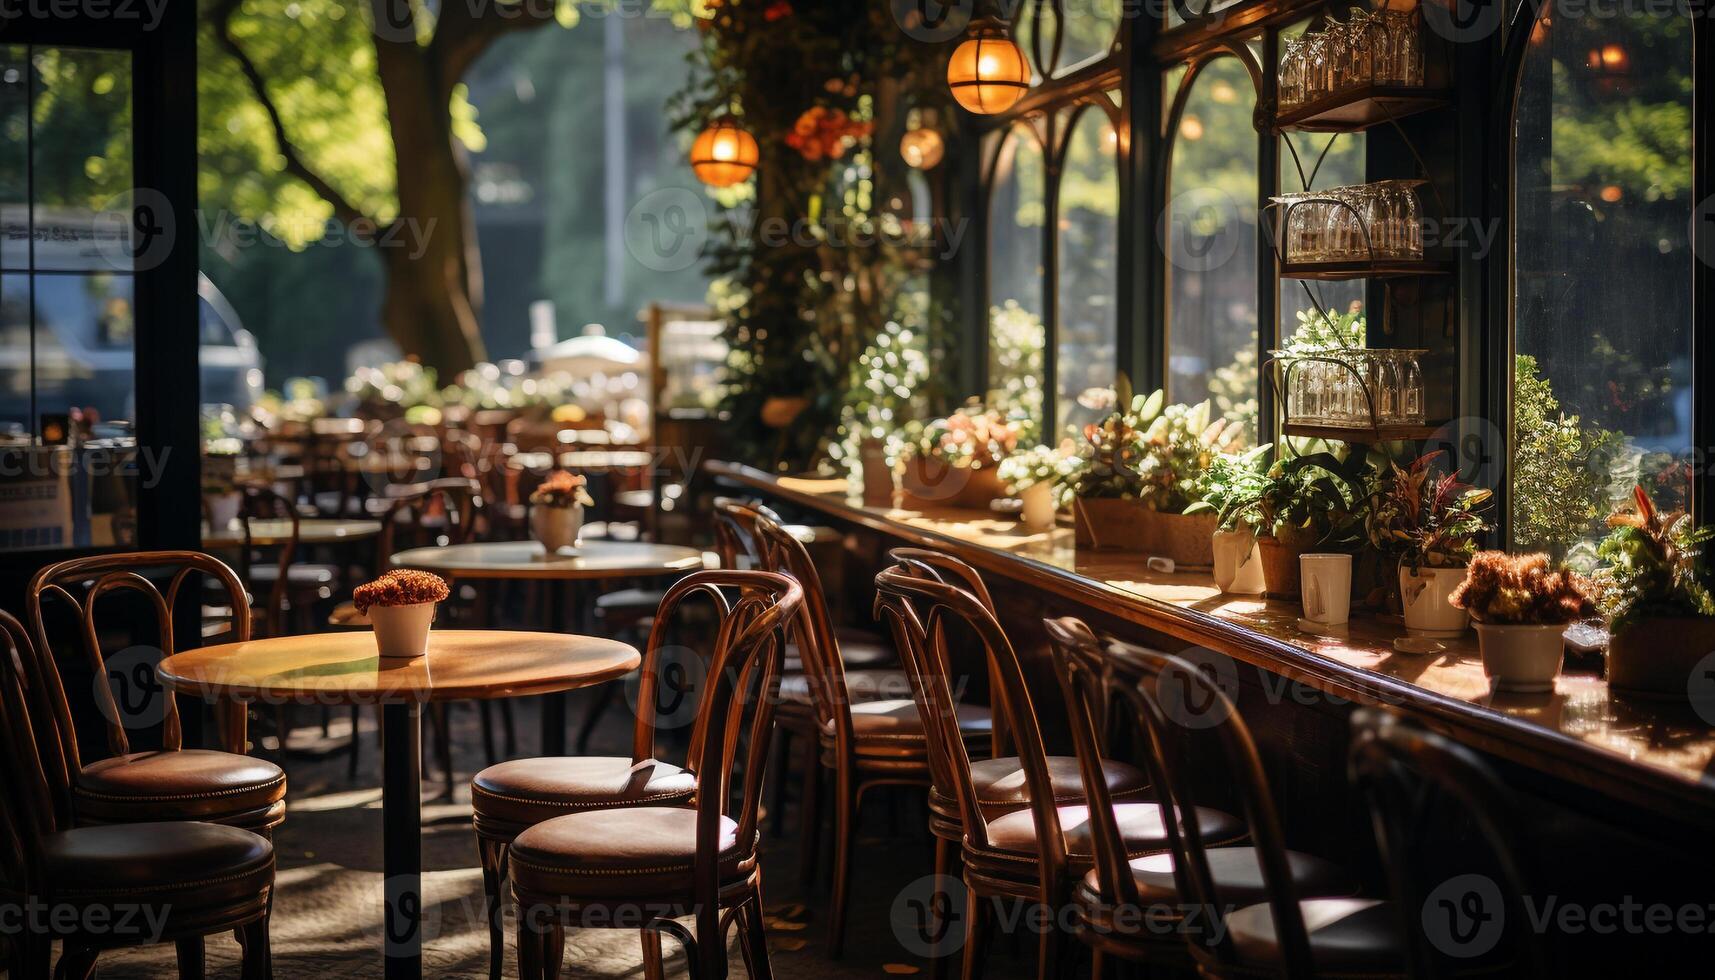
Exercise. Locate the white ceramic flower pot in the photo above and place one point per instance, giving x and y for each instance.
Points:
(1424, 594)
(1038, 511)
(223, 509)
(1521, 658)
(557, 527)
(1238, 563)
(1325, 583)
(402, 632)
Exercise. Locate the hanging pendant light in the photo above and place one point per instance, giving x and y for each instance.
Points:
(987, 72)
(723, 154)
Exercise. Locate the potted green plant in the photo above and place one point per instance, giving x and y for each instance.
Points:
(1657, 590)
(1522, 606)
(1428, 523)
(1031, 476)
(1232, 481)
(1300, 505)
(1180, 443)
(954, 462)
(557, 510)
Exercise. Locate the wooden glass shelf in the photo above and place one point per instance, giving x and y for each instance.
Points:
(1362, 434)
(1356, 110)
(1385, 269)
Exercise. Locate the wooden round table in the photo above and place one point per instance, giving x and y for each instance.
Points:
(595, 560)
(343, 668)
(267, 532)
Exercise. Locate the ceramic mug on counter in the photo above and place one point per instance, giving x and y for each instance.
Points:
(1325, 581)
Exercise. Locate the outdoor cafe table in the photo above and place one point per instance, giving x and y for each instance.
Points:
(267, 532)
(343, 668)
(592, 561)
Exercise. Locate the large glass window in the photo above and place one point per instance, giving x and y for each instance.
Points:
(1087, 334)
(1602, 320)
(1016, 213)
(1209, 236)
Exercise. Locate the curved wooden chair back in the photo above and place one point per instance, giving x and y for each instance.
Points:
(32, 803)
(1180, 705)
(818, 643)
(1078, 664)
(1404, 770)
(263, 504)
(946, 568)
(735, 533)
(82, 584)
(917, 608)
(403, 523)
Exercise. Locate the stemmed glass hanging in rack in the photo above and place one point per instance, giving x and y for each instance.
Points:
(1381, 47)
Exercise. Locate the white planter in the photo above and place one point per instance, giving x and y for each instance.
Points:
(1238, 563)
(557, 527)
(402, 632)
(1325, 581)
(1038, 512)
(1424, 594)
(223, 509)
(1522, 658)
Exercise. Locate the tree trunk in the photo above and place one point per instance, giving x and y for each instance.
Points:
(434, 292)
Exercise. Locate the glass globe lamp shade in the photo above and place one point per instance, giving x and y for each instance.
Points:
(922, 149)
(723, 154)
(987, 72)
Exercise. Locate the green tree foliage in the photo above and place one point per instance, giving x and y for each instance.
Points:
(1560, 489)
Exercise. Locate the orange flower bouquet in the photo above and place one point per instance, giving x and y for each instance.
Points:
(401, 606)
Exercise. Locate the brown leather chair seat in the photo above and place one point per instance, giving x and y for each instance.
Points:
(1140, 825)
(1348, 937)
(187, 784)
(859, 650)
(862, 685)
(1000, 788)
(1237, 874)
(509, 796)
(631, 851)
(890, 728)
(193, 869)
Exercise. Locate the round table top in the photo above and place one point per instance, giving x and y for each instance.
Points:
(311, 530)
(527, 559)
(344, 668)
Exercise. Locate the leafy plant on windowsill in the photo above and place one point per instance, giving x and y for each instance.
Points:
(1032, 467)
(1312, 501)
(1150, 451)
(1426, 518)
(973, 436)
(1232, 482)
(1654, 565)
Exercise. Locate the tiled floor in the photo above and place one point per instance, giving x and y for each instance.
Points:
(327, 919)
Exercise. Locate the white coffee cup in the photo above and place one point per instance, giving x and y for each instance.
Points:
(1325, 582)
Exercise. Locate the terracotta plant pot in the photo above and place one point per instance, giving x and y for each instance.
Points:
(780, 411)
(1522, 658)
(1423, 594)
(1188, 539)
(1039, 510)
(1279, 567)
(402, 632)
(930, 481)
(1111, 524)
(1238, 563)
(878, 480)
(557, 528)
(1655, 658)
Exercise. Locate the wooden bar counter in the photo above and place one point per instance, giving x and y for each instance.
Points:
(1632, 780)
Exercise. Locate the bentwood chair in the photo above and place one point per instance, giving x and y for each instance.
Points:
(1305, 920)
(1035, 854)
(631, 865)
(511, 797)
(134, 885)
(1406, 772)
(168, 783)
(1119, 886)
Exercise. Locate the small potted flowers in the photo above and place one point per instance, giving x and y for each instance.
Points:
(954, 463)
(1430, 522)
(1522, 607)
(401, 606)
(557, 510)
(223, 499)
(1233, 480)
(1298, 506)
(1032, 475)
(1657, 589)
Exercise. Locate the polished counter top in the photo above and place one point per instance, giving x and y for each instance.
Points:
(1644, 752)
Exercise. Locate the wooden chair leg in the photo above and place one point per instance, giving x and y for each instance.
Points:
(487, 713)
(511, 732)
(810, 813)
(553, 951)
(529, 946)
(977, 922)
(845, 837)
(190, 955)
(444, 748)
(493, 854)
(940, 959)
(750, 920)
(652, 966)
